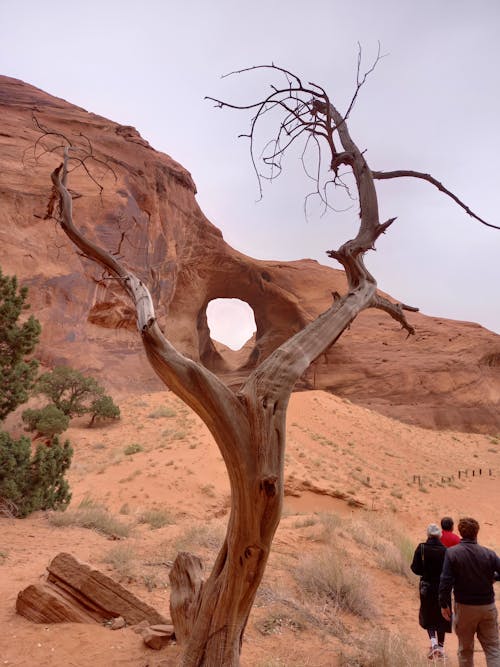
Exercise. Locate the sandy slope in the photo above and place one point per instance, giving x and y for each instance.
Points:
(341, 459)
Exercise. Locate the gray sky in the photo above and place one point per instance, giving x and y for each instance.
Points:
(433, 104)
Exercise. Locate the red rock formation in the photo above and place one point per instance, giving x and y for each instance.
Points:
(447, 376)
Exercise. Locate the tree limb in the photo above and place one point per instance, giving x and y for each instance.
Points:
(395, 310)
(192, 382)
(408, 173)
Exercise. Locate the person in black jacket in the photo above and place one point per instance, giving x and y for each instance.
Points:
(428, 563)
(470, 570)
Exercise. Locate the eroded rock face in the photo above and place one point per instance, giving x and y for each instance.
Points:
(447, 376)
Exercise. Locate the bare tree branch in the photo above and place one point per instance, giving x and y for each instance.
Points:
(192, 382)
(408, 173)
(395, 310)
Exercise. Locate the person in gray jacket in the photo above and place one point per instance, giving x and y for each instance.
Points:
(470, 570)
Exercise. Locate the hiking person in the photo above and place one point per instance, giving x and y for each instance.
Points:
(428, 562)
(448, 538)
(470, 570)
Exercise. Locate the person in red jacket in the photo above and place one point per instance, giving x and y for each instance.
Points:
(448, 538)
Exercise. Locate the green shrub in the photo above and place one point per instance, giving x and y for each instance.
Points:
(34, 482)
(75, 394)
(16, 341)
(103, 407)
(47, 421)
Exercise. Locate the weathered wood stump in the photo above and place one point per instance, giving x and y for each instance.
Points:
(74, 592)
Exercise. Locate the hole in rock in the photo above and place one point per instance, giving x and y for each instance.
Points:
(231, 322)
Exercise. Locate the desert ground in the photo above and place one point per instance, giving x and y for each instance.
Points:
(360, 491)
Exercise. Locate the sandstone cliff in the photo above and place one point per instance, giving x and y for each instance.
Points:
(446, 376)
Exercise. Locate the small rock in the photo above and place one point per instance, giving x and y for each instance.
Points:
(140, 627)
(166, 629)
(156, 640)
(118, 623)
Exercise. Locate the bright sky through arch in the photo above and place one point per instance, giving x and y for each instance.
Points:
(231, 322)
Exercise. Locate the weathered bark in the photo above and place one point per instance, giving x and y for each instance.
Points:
(74, 592)
(249, 428)
(186, 581)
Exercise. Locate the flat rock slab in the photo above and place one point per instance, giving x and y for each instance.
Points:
(74, 592)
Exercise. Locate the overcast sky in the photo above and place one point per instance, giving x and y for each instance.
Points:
(433, 104)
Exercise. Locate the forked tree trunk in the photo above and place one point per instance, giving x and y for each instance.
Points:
(249, 426)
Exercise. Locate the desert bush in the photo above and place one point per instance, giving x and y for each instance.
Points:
(103, 407)
(36, 481)
(205, 535)
(93, 515)
(123, 559)
(156, 518)
(382, 649)
(47, 421)
(75, 394)
(17, 340)
(326, 528)
(392, 549)
(305, 522)
(275, 623)
(134, 448)
(327, 578)
(162, 411)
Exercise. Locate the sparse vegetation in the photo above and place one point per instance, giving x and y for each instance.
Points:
(162, 411)
(75, 394)
(275, 623)
(305, 522)
(382, 649)
(93, 515)
(123, 559)
(156, 518)
(133, 448)
(204, 535)
(325, 577)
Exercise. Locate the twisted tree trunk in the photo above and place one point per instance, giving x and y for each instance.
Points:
(249, 426)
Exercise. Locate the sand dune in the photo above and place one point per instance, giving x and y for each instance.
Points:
(355, 481)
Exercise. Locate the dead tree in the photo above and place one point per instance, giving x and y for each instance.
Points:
(248, 425)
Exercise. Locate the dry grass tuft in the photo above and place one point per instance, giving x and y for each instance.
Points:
(201, 535)
(393, 550)
(326, 578)
(162, 411)
(156, 518)
(123, 559)
(93, 515)
(382, 649)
